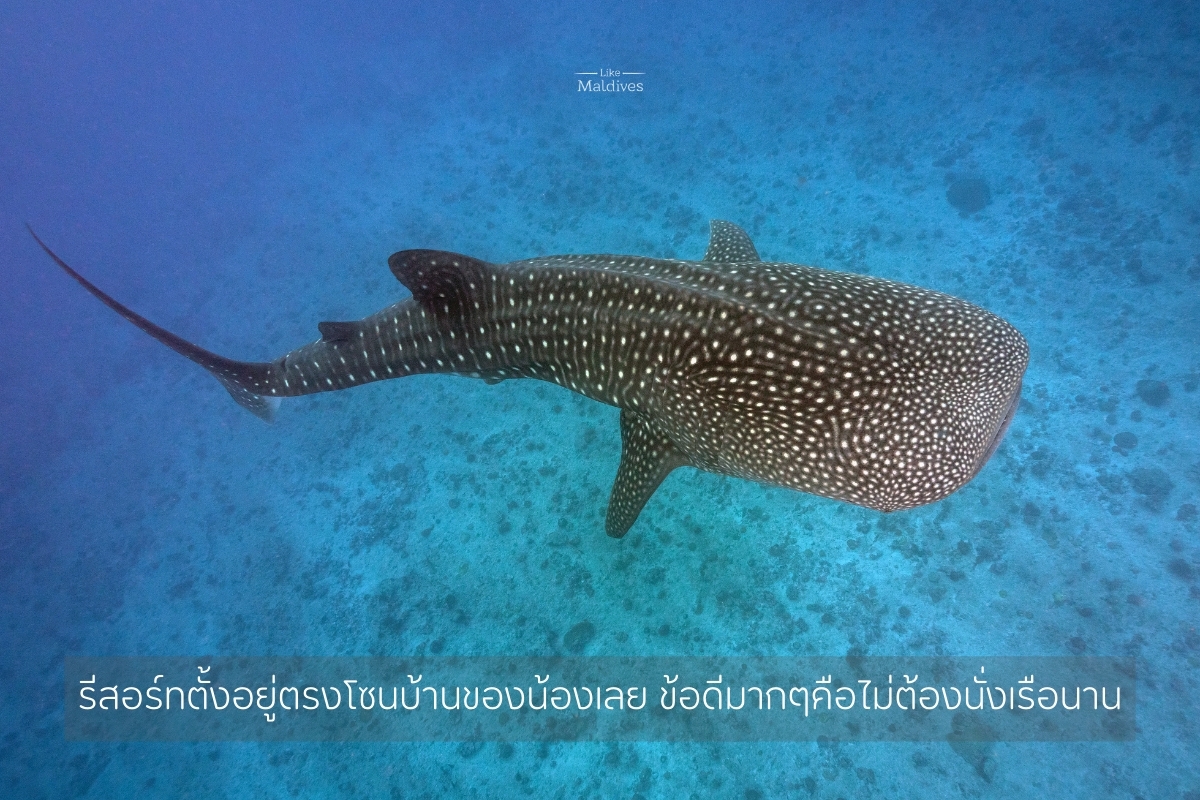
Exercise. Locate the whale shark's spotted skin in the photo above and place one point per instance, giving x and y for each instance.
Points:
(845, 386)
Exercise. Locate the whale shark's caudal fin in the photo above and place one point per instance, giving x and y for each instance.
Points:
(238, 377)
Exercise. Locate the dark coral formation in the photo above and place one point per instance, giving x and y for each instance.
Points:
(968, 195)
(1125, 441)
(576, 639)
(1153, 484)
(1153, 393)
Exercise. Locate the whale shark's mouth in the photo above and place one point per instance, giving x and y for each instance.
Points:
(994, 445)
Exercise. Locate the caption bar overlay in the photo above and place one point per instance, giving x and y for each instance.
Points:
(873, 698)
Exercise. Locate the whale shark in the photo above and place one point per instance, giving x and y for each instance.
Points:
(841, 385)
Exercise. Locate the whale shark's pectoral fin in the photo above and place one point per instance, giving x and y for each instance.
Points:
(263, 407)
(729, 244)
(647, 457)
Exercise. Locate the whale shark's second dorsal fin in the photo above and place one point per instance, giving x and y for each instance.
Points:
(729, 244)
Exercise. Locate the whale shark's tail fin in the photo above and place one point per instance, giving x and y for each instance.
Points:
(240, 378)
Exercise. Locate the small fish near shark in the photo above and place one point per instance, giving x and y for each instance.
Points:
(841, 385)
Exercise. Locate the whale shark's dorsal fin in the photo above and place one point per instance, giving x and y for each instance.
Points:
(337, 331)
(647, 457)
(729, 244)
(441, 282)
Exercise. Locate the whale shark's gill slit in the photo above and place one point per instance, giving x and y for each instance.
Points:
(235, 376)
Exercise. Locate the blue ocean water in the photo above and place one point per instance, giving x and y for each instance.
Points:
(239, 173)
